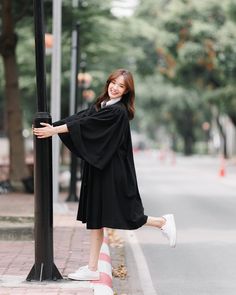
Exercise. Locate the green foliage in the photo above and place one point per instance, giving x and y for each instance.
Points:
(231, 10)
(195, 45)
(179, 111)
(182, 54)
(100, 37)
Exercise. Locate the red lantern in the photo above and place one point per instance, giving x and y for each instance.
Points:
(48, 40)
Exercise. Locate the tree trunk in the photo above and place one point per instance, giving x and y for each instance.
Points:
(186, 129)
(188, 145)
(18, 168)
(233, 118)
(174, 142)
(223, 136)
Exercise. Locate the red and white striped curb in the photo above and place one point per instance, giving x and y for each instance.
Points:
(104, 285)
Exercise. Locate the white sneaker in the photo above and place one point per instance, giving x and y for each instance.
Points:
(84, 274)
(169, 229)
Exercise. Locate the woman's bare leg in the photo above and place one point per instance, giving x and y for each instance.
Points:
(167, 224)
(96, 239)
(155, 221)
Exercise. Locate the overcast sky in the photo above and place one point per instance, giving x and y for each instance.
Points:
(123, 7)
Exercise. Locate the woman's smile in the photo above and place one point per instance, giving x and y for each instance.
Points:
(116, 87)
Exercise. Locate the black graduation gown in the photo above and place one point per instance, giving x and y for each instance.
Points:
(109, 195)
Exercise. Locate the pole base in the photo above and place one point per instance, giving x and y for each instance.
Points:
(72, 198)
(40, 273)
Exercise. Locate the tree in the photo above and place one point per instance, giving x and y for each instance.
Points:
(100, 40)
(195, 46)
(8, 42)
(177, 111)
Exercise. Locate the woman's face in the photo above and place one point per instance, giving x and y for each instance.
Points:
(116, 87)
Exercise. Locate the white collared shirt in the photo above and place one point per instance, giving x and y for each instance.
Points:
(110, 102)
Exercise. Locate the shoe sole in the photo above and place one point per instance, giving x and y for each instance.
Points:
(76, 278)
(173, 227)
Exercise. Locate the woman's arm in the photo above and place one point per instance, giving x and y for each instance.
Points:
(49, 130)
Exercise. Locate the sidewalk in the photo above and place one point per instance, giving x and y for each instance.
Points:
(71, 250)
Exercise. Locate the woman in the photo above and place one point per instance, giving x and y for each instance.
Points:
(109, 196)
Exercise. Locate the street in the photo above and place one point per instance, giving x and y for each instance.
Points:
(204, 260)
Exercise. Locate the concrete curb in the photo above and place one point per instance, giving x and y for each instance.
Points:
(18, 228)
(104, 285)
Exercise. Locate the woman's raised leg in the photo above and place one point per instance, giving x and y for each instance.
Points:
(167, 225)
(155, 221)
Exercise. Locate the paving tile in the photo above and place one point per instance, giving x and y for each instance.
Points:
(71, 250)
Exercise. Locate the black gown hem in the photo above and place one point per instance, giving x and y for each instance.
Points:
(108, 225)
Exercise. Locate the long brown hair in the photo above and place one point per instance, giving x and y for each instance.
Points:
(129, 95)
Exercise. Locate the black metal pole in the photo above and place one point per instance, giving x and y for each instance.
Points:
(44, 267)
(81, 101)
(82, 83)
(72, 197)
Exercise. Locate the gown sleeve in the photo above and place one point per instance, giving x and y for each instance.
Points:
(65, 137)
(96, 137)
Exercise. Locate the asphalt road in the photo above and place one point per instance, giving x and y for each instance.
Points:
(204, 261)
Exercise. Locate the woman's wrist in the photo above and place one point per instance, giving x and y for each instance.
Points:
(49, 130)
(60, 129)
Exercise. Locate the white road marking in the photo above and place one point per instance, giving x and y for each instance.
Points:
(142, 267)
(102, 290)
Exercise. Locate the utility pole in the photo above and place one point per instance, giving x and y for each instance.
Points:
(75, 52)
(44, 267)
(56, 91)
(72, 197)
